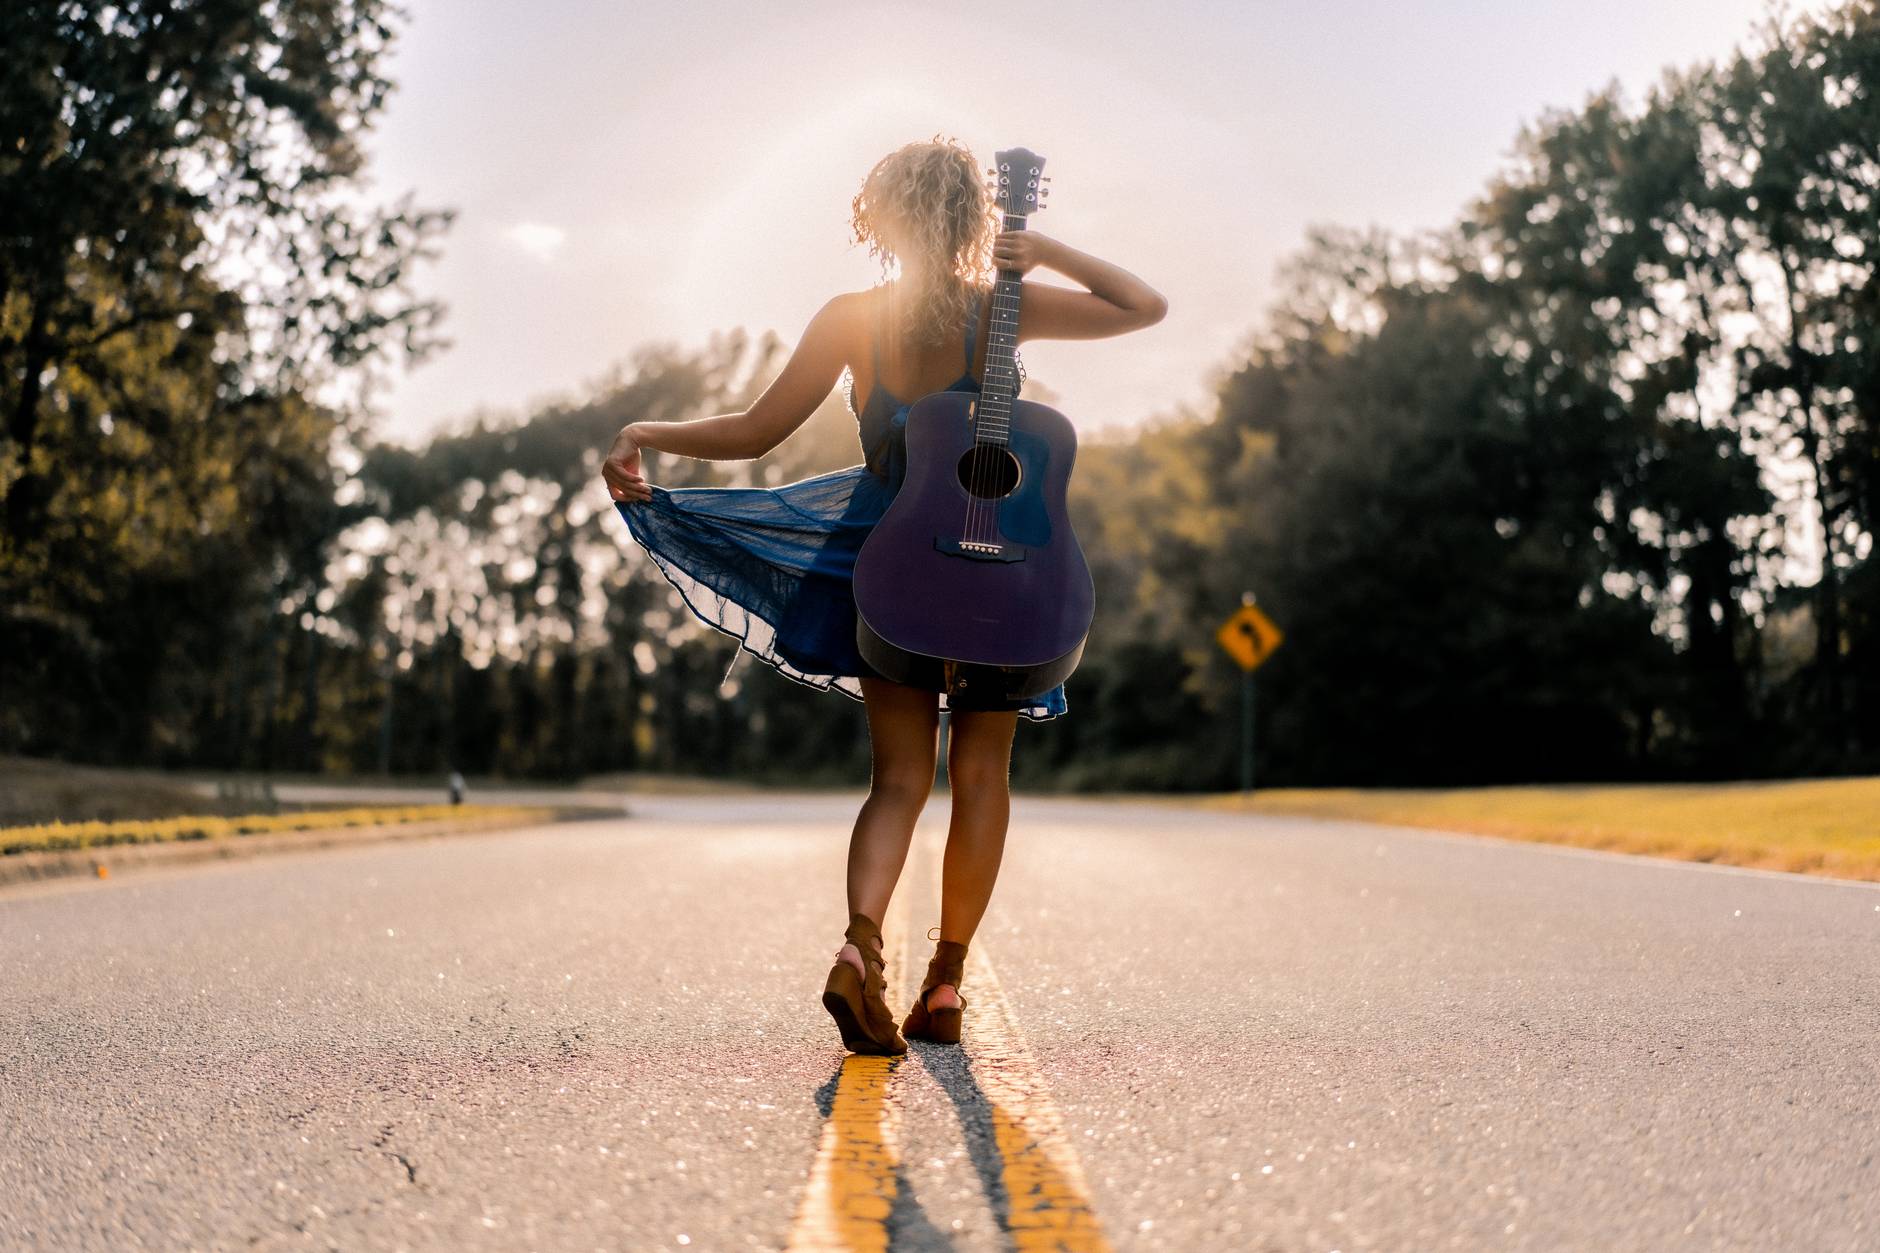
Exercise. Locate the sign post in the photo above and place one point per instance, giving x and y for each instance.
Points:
(1249, 637)
(1246, 730)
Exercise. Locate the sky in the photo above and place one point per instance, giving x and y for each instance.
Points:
(626, 173)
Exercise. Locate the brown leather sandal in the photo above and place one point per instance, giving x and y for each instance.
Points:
(942, 1026)
(859, 1003)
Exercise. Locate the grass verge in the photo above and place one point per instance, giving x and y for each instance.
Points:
(1807, 826)
(53, 836)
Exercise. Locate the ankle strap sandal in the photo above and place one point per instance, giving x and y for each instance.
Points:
(948, 966)
(859, 1002)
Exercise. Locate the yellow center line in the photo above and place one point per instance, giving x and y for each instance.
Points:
(1048, 1202)
(852, 1184)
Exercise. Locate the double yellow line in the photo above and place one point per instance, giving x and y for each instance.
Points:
(853, 1184)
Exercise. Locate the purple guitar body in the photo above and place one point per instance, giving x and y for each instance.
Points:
(973, 582)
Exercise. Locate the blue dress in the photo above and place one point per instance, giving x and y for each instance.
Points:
(772, 566)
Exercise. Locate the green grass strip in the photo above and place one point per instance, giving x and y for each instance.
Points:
(76, 835)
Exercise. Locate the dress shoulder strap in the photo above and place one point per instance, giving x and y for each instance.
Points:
(972, 329)
(881, 323)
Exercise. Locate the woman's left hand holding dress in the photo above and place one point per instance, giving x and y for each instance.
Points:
(626, 481)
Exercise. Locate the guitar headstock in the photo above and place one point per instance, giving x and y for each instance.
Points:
(1017, 182)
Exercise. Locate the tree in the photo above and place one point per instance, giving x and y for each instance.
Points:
(189, 293)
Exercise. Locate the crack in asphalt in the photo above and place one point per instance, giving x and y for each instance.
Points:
(383, 1138)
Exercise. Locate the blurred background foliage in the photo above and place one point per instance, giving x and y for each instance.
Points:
(1580, 486)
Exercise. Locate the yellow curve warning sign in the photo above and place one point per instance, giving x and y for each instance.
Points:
(1249, 637)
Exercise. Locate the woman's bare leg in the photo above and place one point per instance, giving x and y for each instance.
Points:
(979, 770)
(903, 737)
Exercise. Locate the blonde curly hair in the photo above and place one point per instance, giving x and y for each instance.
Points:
(926, 198)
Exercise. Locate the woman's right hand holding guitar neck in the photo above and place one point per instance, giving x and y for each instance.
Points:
(1115, 303)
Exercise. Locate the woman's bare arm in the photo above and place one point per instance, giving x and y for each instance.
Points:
(1115, 303)
(785, 405)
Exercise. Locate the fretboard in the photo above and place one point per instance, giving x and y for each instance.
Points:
(999, 388)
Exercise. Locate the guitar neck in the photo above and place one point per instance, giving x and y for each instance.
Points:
(1000, 386)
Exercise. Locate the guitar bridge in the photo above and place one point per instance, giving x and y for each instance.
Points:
(979, 550)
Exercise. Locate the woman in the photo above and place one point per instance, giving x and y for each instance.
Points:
(773, 566)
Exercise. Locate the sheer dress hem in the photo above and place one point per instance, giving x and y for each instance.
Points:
(757, 636)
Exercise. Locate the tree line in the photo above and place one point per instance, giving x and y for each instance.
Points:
(1581, 485)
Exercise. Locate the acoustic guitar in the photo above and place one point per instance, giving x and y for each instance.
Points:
(973, 583)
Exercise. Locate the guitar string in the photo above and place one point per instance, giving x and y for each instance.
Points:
(993, 459)
(969, 524)
(976, 520)
(980, 508)
(967, 528)
(973, 521)
(988, 458)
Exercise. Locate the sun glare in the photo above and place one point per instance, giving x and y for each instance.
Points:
(774, 240)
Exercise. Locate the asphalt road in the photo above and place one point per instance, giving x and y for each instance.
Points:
(1188, 1031)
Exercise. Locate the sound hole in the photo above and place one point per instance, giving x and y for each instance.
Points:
(988, 471)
